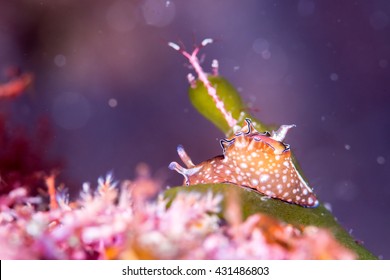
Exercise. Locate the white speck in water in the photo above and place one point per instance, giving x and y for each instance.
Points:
(347, 147)
(380, 160)
(334, 77)
(60, 60)
(112, 102)
(158, 13)
(323, 118)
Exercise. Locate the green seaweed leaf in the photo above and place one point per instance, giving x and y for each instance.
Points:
(252, 202)
(232, 101)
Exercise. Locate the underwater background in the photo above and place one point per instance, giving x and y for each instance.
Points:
(115, 95)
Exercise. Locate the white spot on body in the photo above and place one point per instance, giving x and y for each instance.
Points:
(269, 193)
(254, 182)
(264, 178)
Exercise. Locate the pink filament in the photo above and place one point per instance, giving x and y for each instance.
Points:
(193, 59)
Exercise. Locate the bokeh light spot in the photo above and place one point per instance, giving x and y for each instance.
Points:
(112, 102)
(379, 20)
(266, 54)
(60, 60)
(334, 77)
(158, 13)
(381, 160)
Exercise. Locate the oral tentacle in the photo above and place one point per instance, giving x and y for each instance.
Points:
(185, 157)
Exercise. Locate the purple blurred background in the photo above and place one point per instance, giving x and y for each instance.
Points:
(117, 95)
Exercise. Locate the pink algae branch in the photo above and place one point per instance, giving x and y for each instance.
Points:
(50, 183)
(16, 86)
(194, 61)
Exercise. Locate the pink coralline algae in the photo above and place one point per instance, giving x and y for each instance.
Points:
(118, 221)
